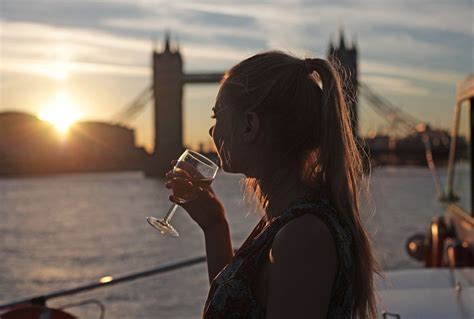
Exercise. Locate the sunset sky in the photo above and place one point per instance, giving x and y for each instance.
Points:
(97, 54)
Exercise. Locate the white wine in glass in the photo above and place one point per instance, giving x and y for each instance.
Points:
(198, 169)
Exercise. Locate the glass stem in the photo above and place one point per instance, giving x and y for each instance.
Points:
(170, 213)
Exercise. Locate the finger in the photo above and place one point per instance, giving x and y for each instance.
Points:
(168, 184)
(171, 198)
(180, 171)
(175, 174)
(190, 170)
(182, 182)
(170, 172)
(180, 179)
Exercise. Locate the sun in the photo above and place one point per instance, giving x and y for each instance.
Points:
(61, 112)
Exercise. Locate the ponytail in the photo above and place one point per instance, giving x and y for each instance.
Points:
(341, 162)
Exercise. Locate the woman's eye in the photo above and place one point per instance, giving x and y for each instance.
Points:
(213, 116)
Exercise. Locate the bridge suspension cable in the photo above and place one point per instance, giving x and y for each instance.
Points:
(409, 123)
(394, 115)
(131, 110)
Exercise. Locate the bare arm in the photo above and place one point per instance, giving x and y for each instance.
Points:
(302, 270)
(218, 248)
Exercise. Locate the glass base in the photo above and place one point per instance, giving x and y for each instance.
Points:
(162, 226)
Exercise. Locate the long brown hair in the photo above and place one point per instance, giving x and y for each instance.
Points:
(303, 102)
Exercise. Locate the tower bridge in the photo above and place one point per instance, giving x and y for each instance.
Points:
(167, 93)
(167, 89)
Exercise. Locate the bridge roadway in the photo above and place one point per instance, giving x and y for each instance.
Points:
(202, 77)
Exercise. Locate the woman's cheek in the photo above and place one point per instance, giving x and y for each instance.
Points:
(221, 147)
(216, 138)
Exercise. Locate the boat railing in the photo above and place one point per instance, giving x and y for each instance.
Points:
(103, 282)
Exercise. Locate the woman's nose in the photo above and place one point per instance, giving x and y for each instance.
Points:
(211, 130)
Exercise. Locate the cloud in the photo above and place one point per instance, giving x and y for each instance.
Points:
(363, 14)
(192, 32)
(35, 48)
(393, 85)
(56, 52)
(71, 13)
(399, 41)
(400, 45)
(306, 27)
(37, 32)
(437, 76)
(61, 70)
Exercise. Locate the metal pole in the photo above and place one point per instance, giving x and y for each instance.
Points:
(452, 152)
(471, 120)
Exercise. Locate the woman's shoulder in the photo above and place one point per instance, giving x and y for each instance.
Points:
(307, 237)
(303, 267)
(314, 222)
(307, 229)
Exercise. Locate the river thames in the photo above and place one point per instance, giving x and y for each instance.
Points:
(62, 231)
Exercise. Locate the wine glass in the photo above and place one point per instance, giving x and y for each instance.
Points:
(201, 171)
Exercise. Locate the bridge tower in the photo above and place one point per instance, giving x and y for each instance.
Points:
(168, 96)
(346, 57)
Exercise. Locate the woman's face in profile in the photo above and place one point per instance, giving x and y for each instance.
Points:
(223, 131)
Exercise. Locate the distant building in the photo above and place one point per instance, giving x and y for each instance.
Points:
(102, 146)
(26, 143)
(411, 150)
(380, 143)
(31, 146)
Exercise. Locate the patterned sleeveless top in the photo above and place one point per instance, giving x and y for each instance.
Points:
(230, 294)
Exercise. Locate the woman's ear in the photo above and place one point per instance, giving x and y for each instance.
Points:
(251, 127)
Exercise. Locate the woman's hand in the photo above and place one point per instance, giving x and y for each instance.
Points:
(205, 208)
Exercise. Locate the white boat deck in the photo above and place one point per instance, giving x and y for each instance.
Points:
(428, 293)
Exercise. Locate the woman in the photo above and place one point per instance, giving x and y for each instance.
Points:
(283, 123)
